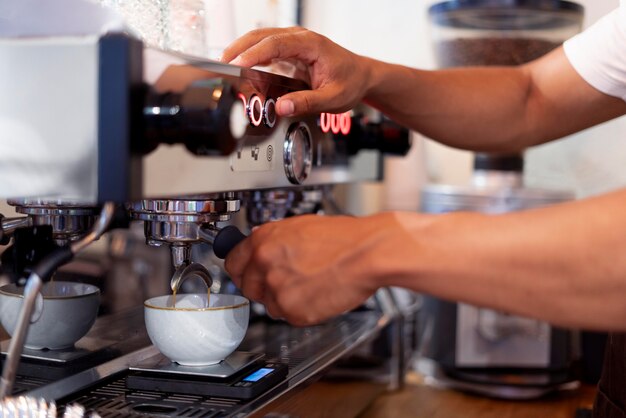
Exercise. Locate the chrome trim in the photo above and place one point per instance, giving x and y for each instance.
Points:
(266, 113)
(288, 158)
(183, 206)
(102, 223)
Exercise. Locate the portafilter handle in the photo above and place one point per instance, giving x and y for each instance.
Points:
(222, 239)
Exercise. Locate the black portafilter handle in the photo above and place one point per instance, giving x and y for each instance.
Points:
(226, 239)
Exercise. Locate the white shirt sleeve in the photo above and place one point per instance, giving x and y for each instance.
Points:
(599, 54)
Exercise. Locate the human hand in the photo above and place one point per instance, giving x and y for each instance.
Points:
(339, 78)
(309, 268)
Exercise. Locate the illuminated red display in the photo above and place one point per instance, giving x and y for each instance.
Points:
(345, 123)
(336, 123)
(256, 110)
(325, 122)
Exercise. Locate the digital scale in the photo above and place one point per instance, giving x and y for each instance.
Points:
(46, 365)
(242, 375)
(85, 347)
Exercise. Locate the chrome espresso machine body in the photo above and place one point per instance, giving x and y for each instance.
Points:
(180, 144)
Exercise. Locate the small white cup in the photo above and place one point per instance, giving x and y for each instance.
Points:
(67, 313)
(192, 334)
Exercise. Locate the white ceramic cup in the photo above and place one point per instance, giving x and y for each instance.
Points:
(67, 313)
(192, 334)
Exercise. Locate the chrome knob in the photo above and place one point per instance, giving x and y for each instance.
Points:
(298, 153)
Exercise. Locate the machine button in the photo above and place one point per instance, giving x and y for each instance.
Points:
(269, 113)
(298, 152)
(255, 110)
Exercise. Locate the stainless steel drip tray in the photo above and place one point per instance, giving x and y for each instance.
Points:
(112, 336)
(84, 347)
(232, 365)
(305, 352)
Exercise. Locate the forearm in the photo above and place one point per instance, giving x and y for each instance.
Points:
(461, 108)
(563, 264)
(497, 109)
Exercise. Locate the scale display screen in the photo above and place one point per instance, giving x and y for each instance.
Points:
(254, 377)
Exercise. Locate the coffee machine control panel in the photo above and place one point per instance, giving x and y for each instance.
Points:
(144, 123)
(225, 118)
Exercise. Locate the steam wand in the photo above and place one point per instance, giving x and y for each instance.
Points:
(33, 286)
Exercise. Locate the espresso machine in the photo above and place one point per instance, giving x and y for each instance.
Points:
(115, 133)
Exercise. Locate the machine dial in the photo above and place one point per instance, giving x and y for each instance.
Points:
(298, 153)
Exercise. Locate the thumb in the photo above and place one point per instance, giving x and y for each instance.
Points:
(306, 102)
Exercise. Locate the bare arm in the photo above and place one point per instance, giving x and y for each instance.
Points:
(485, 109)
(493, 108)
(564, 264)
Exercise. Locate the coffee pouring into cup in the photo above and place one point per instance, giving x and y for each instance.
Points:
(196, 329)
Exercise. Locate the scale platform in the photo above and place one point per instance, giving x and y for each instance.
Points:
(241, 375)
(85, 347)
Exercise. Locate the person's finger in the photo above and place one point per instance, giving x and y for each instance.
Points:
(274, 280)
(304, 305)
(272, 308)
(283, 45)
(253, 283)
(250, 39)
(237, 260)
(325, 99)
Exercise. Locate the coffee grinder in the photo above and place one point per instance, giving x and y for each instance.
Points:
(465, 347)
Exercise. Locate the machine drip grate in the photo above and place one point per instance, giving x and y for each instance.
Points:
(25, 384)
(113, 399)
